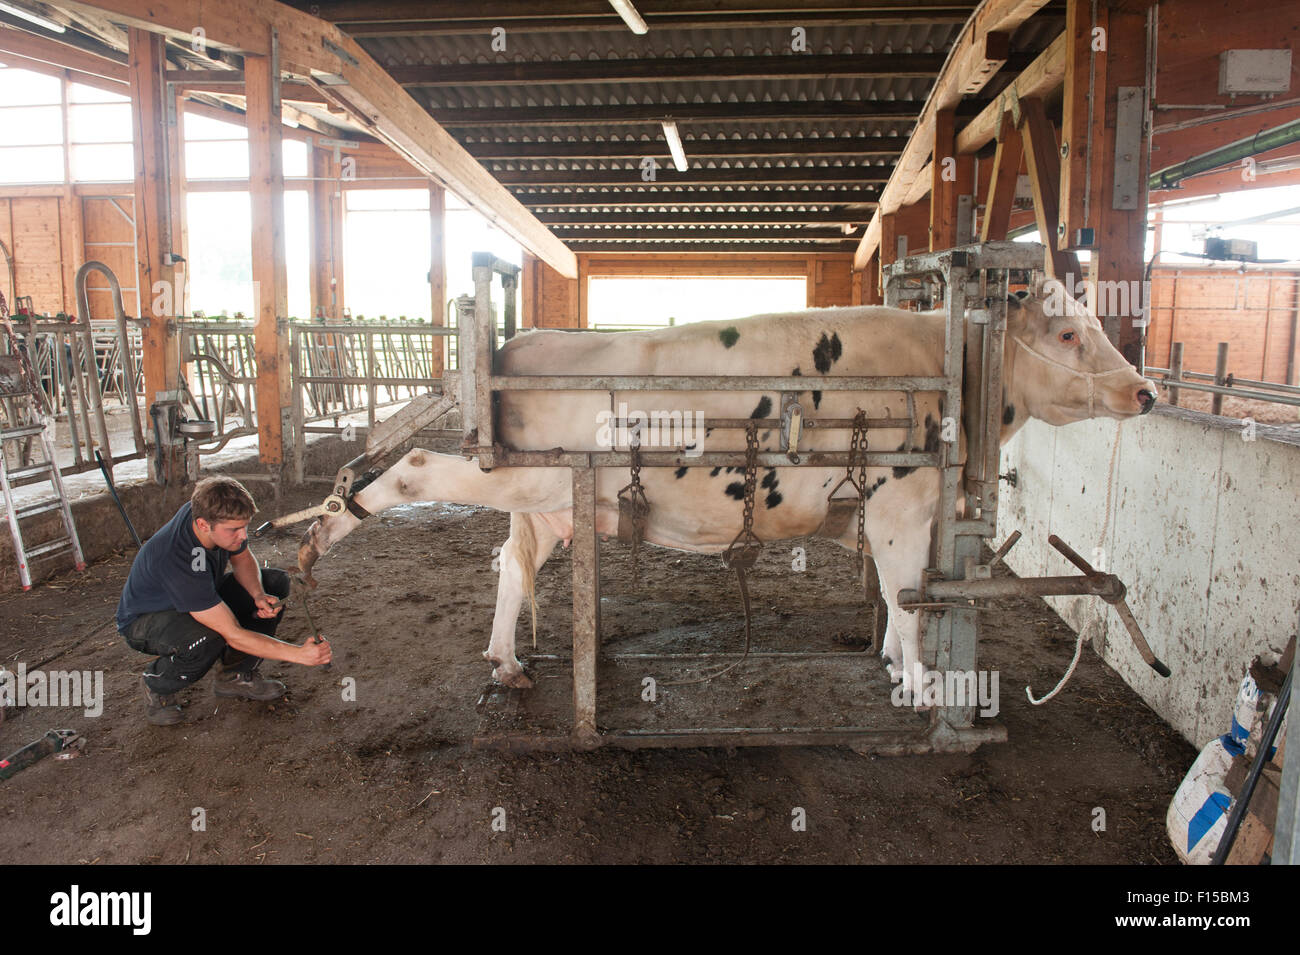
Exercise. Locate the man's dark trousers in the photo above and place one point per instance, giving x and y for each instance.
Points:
(186, 649)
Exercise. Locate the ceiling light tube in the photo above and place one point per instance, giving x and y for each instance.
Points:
(633, 19)
(675, 146)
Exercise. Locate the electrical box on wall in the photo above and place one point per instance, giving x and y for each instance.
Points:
(1254, 71)
(1237, 250)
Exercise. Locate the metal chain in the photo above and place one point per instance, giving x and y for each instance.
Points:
(742, 554)
(858, 453)
(633, 509)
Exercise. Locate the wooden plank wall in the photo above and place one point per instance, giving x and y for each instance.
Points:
(50, 236)
(1254, 312)
(110, 238)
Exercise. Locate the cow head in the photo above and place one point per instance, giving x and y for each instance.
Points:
(1060, 366)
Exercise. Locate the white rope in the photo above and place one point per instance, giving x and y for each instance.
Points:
(1078, 648)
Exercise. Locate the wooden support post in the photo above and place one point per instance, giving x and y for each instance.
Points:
(322, 205)
(586, 606)
(157, 296)
(1002, 182)
(266, 186)
(1220, 378)
(1044, 174)
(1082, 122)
(951, 175)
(1119, 261)
(1175, 372)
(437, 268)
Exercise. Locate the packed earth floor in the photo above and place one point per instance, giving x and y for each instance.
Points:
(392, 776)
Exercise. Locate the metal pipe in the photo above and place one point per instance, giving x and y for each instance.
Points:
(1101, 585)
(127, 354)
(1261, 142)
(714, 383)
(709, 459)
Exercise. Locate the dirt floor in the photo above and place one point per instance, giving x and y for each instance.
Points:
(407, 601)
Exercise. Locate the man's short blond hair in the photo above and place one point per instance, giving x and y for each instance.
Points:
(221, 499)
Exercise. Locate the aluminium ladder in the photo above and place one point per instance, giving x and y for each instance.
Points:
(21, 421)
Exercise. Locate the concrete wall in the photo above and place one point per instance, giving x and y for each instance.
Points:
(1203, 529)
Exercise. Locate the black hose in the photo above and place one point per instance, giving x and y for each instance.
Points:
(108, 478)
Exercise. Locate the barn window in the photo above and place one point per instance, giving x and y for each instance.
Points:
(31, 113)
(99, 134)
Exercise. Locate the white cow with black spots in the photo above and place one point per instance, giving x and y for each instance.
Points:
(1058, 367)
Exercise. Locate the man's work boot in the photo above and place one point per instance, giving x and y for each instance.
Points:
(248, 686)
(160, 710)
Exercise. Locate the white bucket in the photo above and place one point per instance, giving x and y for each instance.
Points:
(1199, 812)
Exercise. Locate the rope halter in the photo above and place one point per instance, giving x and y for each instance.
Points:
(1089, 376)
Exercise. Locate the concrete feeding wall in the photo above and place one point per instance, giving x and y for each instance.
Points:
(1202, 530)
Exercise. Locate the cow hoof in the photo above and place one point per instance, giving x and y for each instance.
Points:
(518, 682)
(511, 676)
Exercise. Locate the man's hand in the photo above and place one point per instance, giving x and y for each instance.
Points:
(267, 606)
(315, 654)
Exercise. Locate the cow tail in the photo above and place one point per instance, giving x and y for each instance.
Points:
(521, 529)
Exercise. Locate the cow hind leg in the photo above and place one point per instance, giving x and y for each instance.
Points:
(527, 548)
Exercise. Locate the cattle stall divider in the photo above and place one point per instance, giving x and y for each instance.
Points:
(972, 366)
(975, 280)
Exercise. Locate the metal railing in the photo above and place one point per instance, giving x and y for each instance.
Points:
(1222, 383)
(343, 369)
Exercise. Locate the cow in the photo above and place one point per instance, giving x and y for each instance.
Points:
(1058, 366)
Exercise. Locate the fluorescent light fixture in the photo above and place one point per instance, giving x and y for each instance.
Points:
(633, 19)
(39, 20)
(675, 146)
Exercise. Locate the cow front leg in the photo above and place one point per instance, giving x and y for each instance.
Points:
(901, 549)
(527, 548)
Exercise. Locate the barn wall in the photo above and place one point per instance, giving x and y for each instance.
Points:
(547, 298)
(1201, 531)
(1254, 312)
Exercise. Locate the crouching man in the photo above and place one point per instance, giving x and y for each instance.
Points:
(195, 595)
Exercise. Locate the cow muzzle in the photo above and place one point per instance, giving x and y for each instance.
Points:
(1146, 399)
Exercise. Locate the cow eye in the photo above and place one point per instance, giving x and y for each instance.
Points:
(1067, 337)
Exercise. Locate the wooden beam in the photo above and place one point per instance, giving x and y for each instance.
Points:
(707, 217)
(155, 279)
(961, 76)
(1002, 182)
(42, 50)
(270, 283)
(450, 15)
(748, 248)
(952, 175)
(321, 209)
(667, 176)
(308, 46)
(640, 232)
(755, 195)
(668, 69)
(1041, 78)
(640, 113)
(1119, 262)
(1080, 125)
(861, 147)
(1044, 159)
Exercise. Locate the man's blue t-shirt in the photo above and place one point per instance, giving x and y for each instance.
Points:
(173, 571)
